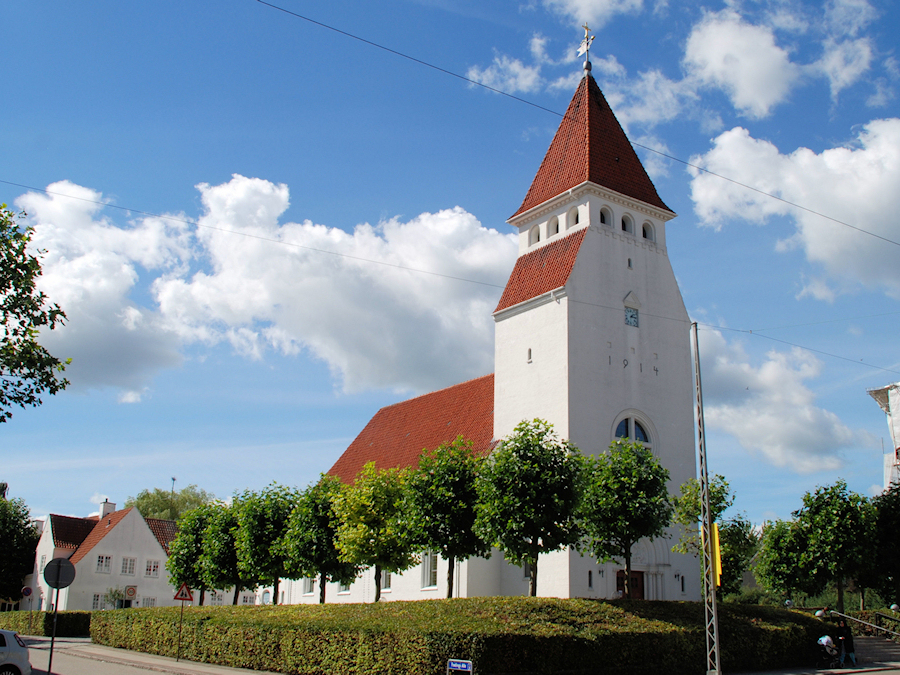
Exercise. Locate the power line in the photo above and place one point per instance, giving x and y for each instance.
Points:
(562, 115)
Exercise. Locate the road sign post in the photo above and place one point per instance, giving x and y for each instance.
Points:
(59, 573)
(184, 594)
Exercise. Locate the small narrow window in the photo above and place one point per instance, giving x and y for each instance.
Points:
(590, 578)
(385, 581)
(630, 266)
(529, 355)
(552, 227)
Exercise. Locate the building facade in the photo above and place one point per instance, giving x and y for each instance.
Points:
(591, 334)
(888, 398)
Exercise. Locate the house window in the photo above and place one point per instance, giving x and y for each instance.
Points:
(104, 562)
(343, 587)
(128, 566)
(429, 569)
(248, 599)
(526, 570)
(96, 603)
(632, 429)
(385, 581)
(43, 563)
(148, 602)
(309, 586)
(152, 569)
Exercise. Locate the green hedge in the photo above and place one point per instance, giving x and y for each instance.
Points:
(68, 624)
(500, 635)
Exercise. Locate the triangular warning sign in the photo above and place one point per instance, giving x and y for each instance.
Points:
(184, 593)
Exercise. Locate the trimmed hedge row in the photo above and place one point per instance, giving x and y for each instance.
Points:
(500, 635)
(68, 624)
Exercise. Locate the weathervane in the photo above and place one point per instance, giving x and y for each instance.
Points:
(585, 47)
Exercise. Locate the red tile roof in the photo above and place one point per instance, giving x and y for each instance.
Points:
(69, 532)
(590, 145)
(101, 528)
(542, 270)
(397, 434)
(163, 530)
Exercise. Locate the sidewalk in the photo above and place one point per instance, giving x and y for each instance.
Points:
(83, 648)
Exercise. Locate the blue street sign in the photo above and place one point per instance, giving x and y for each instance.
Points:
(459, 666)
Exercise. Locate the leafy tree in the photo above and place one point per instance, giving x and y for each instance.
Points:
(838, 528)
(443, 499)
(186, 551)
(625, 500)
(887, 556)
(374, 529)
(687, 511)
(309, 545)
(529, 493)
(778, 561)
(27, 370)
(20, 539)
(218, 560)
(168, 504)
(738, 543)
(262, 523)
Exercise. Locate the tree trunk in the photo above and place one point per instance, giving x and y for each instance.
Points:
(628, 573)
(377, 583)
(275, 591)
(202, 595)
(450, 564)
(862, 599)
(840, 595)
(237, 592)
(533, 580)
(322, 588)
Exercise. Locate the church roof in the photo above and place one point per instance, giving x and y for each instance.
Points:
(590, 145)
(541, 270)
(397, 434)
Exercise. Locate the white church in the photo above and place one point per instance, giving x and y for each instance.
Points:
(591, 334)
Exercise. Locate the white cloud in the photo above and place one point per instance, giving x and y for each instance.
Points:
(407, 324)
(856, 184)
(595, 12)
(768, 408)
(742, 59)
(848, 17)
(507, 75)
(843, 63)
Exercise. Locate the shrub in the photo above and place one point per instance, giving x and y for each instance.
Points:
(68, 624)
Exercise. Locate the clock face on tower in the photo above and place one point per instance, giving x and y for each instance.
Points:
(631, 316)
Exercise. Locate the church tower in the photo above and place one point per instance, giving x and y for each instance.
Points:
(591, 333)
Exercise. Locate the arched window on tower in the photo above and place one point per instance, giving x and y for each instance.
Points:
(647, 232)
(553, 226)
(632, 429)
(572, 217)
(605, 216)
(627, 224)
(534, 235)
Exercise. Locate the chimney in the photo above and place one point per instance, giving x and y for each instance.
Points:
(106, 508)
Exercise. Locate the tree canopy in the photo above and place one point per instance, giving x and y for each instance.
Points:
(687, 510)
(27, 369)
(310, 543)
(374, 528)
(186, 551)
(529, 494)
(219, 561)
(625, 500)
(20, 539)
(169, 505)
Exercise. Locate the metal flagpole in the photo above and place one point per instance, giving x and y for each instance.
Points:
(706, 525)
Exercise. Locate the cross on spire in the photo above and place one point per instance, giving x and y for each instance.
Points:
(585, 47)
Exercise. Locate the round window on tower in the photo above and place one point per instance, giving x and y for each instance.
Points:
(632, 426)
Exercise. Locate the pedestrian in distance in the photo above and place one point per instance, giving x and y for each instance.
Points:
(845, 638)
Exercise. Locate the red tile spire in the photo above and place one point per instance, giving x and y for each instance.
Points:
(590, 145)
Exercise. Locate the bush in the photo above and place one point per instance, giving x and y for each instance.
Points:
(68, 624)
(500, 635)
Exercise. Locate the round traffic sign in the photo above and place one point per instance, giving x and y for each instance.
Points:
(26, 592)
(59, 573)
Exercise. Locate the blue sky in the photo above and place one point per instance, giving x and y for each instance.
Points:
(222, 346)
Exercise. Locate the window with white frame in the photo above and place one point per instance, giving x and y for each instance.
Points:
(526, 570)
(96, 603)
(429, 569)
(632, 429)
(385, 581)
(43, 563)
(128, 566)
(104, 563)
(152, 569)
(248, 599)
(343, 587)
(148, 602)
(309, 586)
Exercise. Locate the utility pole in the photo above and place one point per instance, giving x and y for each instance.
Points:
(706, 526)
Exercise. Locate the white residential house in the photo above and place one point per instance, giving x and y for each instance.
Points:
(115, 550)
(889, 399)
(591, 334)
